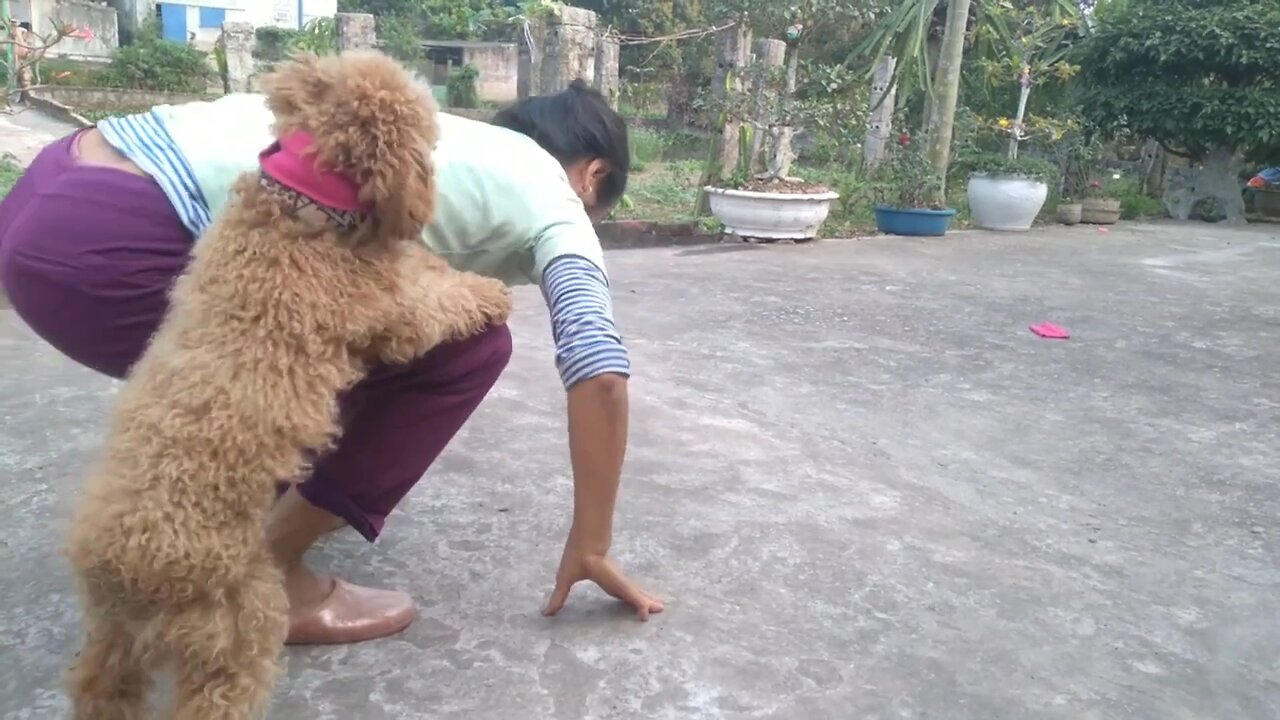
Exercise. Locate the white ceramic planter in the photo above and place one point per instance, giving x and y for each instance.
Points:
(771, 216)
(1001, 202)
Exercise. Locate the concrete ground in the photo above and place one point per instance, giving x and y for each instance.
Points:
(24, 133)
(866, 490)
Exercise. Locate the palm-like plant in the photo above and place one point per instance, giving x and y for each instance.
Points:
(927, 38)
(911, 32)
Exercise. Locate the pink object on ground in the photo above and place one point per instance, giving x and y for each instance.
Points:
(288, 162)
(1051, 331)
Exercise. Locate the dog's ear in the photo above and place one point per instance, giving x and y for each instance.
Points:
(402, 192)
(296, 85)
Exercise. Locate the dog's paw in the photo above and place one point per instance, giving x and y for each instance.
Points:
(492, 298)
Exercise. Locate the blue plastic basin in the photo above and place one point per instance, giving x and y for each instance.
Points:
(916, 222)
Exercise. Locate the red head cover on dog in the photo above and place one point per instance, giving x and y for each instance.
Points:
(288, 163)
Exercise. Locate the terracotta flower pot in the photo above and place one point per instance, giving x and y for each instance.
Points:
(1070, 213)
(1100, 211)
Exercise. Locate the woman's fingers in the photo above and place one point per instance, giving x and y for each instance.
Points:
(559, 596)
(612, 581)
(605, 573)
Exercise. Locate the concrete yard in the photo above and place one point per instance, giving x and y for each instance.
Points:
(865, 489)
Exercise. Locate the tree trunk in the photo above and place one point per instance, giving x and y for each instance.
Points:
(932, 50)
(880, 120)
(1154, 159)
(783, 155)
(724, 153)
(946, 91)
(770, 55)
(1217, 179)
(1025, 81)
(9, 52)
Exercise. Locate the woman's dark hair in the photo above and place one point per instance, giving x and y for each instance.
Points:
(576, 124)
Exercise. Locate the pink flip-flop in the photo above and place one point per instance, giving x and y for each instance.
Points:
(1051, 331)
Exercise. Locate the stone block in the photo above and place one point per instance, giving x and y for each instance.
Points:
(356, 31)
(236, 42)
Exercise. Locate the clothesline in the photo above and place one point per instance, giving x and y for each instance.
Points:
(682, 35)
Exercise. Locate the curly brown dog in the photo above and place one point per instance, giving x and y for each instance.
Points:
(277, 314)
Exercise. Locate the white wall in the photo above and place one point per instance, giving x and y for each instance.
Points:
(281, 13)
(259, 13)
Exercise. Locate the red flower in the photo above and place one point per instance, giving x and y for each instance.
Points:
(904, 139)
(1095, 184)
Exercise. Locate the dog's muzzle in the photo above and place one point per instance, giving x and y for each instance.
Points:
(300, 207)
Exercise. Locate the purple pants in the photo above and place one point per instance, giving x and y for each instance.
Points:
(87, 257)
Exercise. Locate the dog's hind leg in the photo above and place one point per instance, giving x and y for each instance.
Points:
(108, 680)
(228, 655)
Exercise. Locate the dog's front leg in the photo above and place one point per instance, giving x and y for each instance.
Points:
(439, 305)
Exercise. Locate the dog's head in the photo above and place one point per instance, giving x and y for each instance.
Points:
(371, 123)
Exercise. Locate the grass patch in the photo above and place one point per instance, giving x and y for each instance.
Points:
(61, 71)
(662, 192)
(10, 171)
(94, 115)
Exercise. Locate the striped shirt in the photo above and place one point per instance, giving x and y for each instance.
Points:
(576, 291)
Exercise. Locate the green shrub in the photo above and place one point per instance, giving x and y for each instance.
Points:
(461, 87)
(999, 164)
(1134, 203)
(904, 179)
(273, 44)
(154, 63)
(10, 171)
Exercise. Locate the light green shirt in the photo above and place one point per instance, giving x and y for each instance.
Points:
(504, 206)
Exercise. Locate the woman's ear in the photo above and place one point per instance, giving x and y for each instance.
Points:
(597, 170)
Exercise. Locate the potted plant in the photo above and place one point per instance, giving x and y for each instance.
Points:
(748, 185)
(1069, 211)
(902, 184)
(1007, 193)
(1098, 207)
(775, 209)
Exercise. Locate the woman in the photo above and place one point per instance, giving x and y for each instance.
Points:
(101, 224)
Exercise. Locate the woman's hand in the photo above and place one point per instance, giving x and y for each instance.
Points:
(597, 444)
(579, 564)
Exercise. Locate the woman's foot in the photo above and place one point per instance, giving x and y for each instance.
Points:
(346, 613)
(325, 610)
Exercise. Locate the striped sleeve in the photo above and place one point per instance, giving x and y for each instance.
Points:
(587, 341)
(143, 139)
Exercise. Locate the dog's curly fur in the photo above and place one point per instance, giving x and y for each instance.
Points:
(273, 319)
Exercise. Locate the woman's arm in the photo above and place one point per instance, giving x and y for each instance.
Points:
(594, 366)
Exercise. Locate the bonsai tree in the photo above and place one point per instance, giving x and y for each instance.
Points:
(1199, 76)
(22, 50)
(760, 105)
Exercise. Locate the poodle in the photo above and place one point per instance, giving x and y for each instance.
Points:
(285, 304)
